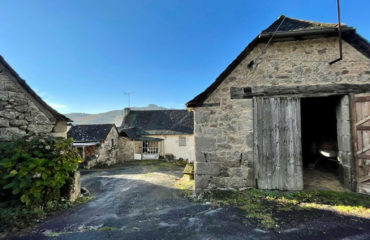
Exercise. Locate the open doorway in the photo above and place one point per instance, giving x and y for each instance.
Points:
(321, 165)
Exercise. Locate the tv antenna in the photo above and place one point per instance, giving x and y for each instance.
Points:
(128, 94)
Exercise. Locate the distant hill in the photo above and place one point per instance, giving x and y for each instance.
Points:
(115, 116)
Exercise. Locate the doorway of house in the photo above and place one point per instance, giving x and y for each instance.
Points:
(321, 165)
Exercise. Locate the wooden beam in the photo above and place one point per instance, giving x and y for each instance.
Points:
(363, 156)
(210, 105)
(362, 99)
(366, 128)
(322, 89)
(240, 93)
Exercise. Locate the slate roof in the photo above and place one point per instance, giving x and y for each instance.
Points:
(33, 94)
(290, 27)
(157, 122)
(294, 25)
(90, 133)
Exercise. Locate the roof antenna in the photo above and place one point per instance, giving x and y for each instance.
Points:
(128, 94)
(340, 37)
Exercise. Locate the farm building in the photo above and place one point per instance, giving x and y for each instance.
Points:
(23, 112)
(283, 115)
(155, 133)
(98, 144)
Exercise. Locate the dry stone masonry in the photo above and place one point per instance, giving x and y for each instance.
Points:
(19, 114)
(224, 126)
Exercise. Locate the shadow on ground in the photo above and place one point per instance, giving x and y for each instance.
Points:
(141, 202)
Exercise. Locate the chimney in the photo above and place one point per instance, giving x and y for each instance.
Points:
(126, 111)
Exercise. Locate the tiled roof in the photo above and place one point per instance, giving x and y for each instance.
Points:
(161, 122)
(288, 26)
(292, 24)
(90, 133)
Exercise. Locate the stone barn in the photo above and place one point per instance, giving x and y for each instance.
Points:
(98, 144)
(284, 116)
(23, 112)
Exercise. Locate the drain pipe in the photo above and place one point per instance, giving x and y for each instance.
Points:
(340, 37)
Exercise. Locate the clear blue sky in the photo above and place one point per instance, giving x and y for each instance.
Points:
(82, 55)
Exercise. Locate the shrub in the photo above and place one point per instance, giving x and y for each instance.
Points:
(169, 157)
(34, 170)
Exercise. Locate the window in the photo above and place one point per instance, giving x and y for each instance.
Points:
(112, 142)
(150, 147)
(182, 141)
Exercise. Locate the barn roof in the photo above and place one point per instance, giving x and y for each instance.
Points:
(282, 29)
(43, 105)
(158, 122)
(90, 132)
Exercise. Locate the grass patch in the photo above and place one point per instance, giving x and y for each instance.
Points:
(107, 228)
(265, 206)
(186, 185)
(55, 234)
(15, 217)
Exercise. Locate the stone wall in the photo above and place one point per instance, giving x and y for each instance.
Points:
(20, 114)
(224, 133)
(106, 153)
(126, 149)
(345, 155)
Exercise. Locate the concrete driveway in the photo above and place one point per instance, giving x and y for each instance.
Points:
(139, 201)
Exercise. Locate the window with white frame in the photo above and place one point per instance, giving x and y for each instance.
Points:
(182, 141)
(150, 147)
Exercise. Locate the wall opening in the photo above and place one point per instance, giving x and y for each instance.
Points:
(321, 165)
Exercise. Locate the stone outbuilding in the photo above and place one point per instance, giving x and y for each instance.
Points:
(23, 112)
(283, 111)
(97, 144)
(159, 133)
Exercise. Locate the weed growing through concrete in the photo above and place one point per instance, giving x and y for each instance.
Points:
(266, 206)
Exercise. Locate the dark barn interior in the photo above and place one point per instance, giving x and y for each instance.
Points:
(319, 143)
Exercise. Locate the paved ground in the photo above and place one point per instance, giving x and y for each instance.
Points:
(140, 202)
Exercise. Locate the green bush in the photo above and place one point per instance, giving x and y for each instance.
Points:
(34, 170)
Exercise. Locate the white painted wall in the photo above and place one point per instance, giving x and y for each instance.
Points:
(171, 146)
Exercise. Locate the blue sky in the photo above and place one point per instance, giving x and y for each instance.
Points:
(82, 55)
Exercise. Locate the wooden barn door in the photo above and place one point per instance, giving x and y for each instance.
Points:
(277, 143)
(361, 135)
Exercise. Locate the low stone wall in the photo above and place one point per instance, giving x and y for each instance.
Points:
(125, 149)
(74, 188)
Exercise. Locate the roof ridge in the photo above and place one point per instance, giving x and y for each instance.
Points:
(301, 25)
(307, 21)
(349, 35)
(33, 94)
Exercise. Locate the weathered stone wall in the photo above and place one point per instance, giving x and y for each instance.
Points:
(19, 114)
(126, 149)
(345, 155)
(106, 152)
(224, 133)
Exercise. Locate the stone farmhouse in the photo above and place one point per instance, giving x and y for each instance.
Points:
(23, 112)
(261, 122)
(151, 134)
(98, 144)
